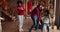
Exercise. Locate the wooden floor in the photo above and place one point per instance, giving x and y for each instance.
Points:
(9, 26)
(28, 23)
(12, 26)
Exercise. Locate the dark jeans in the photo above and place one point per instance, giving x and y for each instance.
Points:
(35, 23)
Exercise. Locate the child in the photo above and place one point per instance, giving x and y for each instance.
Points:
(46, 20)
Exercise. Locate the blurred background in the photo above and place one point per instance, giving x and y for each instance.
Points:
(8, 10)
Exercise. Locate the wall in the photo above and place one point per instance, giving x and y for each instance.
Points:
(57, 13)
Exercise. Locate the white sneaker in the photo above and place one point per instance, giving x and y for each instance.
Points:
(21, 30)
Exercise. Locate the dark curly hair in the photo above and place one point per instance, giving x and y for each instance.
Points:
(19, 2)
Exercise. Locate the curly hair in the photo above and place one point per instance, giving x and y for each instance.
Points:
(19, 2)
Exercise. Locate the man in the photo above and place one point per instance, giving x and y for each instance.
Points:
(35, 15)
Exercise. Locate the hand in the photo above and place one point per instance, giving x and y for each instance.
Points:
(30, 10)
(10, 16)
(13, 18)
(39, 22)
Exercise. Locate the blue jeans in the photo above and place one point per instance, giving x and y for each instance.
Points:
(45, 25)
(21, 19)
(35, 22)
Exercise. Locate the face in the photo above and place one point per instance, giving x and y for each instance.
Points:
(19, 4)
(42, 7)
(45, 13)
(6, 8)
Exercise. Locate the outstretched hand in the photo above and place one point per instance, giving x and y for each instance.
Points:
(39, 22)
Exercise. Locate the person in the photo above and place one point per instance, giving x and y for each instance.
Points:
(46, 20)
(29, 6)
(35, 15)
(41, 22)
(21, 10)
(5, 14)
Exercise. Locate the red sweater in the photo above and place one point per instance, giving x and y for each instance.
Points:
(36, 12)
(29, 7)
(20, 10)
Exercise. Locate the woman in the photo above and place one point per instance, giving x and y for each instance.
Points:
(21, 10)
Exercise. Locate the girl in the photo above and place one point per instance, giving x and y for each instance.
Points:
(21, 10)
